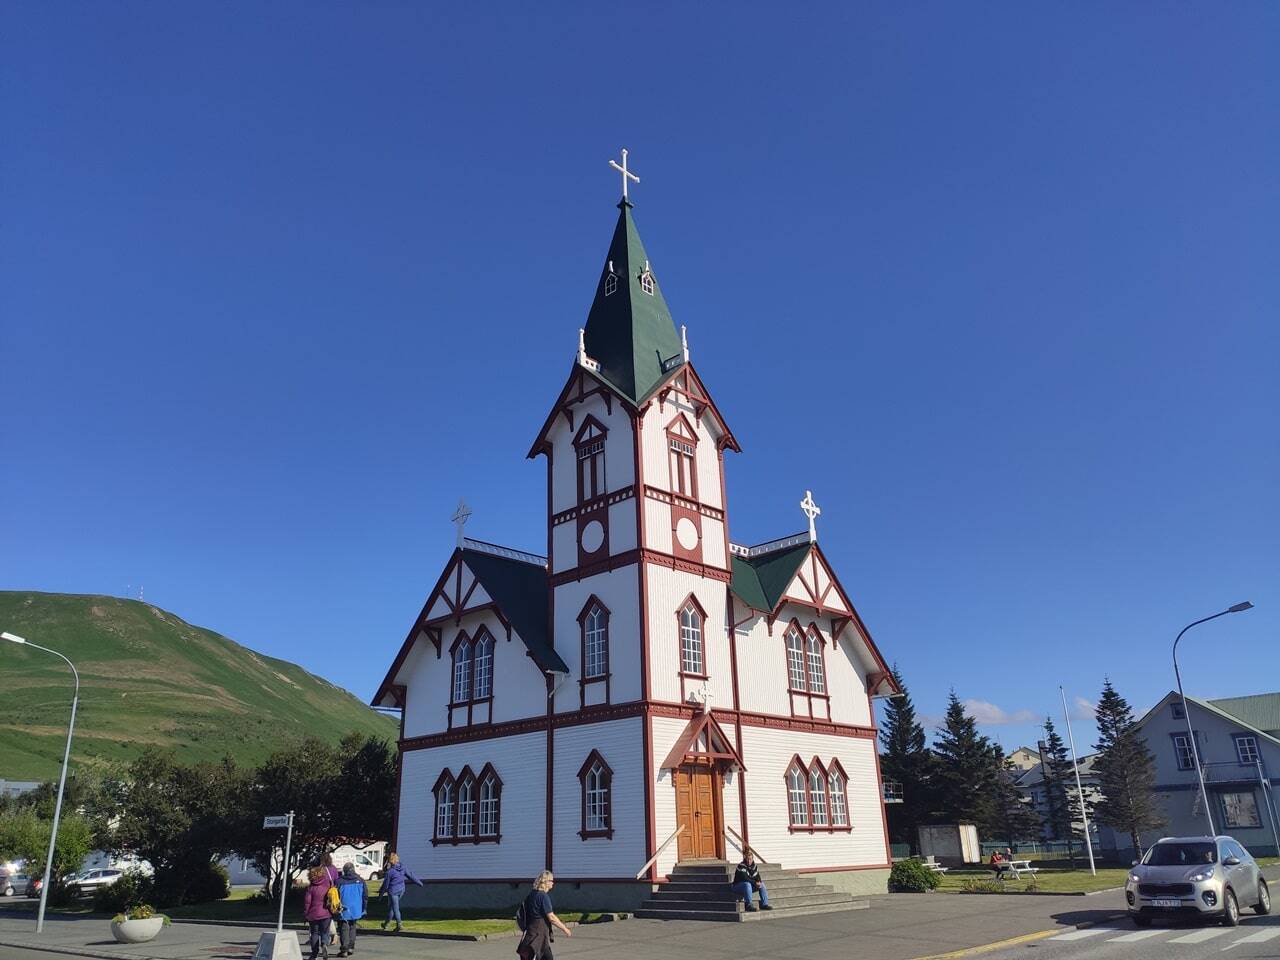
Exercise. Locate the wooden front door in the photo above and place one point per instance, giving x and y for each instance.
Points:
(698, 810)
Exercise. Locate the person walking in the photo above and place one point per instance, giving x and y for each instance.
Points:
(316, 912)
(333, 873)
(746, 878)
(394, 879)
(539, 918)
(355, 901)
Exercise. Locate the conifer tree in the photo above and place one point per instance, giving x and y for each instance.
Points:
(1015, 817)
(1061, 803)
(964, 770)
(906, 760)
(1126, 771)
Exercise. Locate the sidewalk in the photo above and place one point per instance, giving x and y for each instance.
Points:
(897, 927)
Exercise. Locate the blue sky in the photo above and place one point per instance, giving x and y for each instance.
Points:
(280, 282)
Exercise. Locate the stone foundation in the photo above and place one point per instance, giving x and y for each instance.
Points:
(859, 883)
(503, 898)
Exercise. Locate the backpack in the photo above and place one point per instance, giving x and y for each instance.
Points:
(333, 899)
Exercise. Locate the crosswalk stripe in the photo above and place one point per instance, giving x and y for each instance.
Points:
(1081, 934)
(1137, 935)
(1270, 933)
(1200, 936)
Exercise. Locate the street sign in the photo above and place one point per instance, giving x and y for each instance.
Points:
(275, 823)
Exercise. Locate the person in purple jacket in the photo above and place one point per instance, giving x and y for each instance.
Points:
(394, 879)
(316, 913)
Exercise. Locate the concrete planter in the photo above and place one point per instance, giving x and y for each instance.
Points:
(137, 931)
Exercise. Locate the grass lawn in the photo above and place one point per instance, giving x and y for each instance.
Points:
(1048, 880)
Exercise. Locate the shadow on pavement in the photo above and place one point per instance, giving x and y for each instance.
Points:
(1072, 918)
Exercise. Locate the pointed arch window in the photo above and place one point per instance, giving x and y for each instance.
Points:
(797, 794)
(483, 666)
(594, 622)
(817, 665)
(610, 283)
(589, 446)
(646, 280)
(466, 829)
(693, 660)
(682, 446)
(818, 796)
(490, 805)
(462, 655)
(445, 792)
(596, 778)
(836, 781)
(795, 659)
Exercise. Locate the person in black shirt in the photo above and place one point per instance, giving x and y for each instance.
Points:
(540, 917)
(747, 878)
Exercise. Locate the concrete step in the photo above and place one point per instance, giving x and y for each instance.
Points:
(715, 886)
(741, 916)
(674, 903)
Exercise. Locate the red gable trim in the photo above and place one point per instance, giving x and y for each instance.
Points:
(418, 626)
(682, 750)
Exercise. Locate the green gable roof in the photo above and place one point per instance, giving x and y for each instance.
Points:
(520, 591)
(629, 332)
(1261, 711)
(760, 581)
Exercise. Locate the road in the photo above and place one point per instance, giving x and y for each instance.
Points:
(1256, 937)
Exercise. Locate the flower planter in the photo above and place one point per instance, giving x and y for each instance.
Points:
(137, 931)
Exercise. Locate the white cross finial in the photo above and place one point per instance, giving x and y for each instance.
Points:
(812, 511)
(460, 517)
(703, 696)
(626, 174)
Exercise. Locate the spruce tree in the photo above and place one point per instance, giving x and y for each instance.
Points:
(1015, 817)
(964, 771)
(1061, 803)
(905, 759)
(1126, 771)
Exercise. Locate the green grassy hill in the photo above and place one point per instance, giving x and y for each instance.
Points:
(148, 677)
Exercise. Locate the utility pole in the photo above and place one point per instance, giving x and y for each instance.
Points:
(1075, 762)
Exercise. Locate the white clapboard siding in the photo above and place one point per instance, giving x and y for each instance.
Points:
(564, 546)
(668, 589)
(665, 732)
(619, 451)
(623, 535)
(621, 744)
(762, 667)
(619, 591)
(767, 754)
(521, 763)
(657, 524)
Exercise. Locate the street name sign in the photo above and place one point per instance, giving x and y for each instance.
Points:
(275, 823)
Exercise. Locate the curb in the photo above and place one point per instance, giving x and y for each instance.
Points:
(403, 935)
(73, 952)
(1024, 938)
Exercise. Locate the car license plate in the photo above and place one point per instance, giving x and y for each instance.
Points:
(1166, 903)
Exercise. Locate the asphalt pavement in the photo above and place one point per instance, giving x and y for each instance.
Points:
(1256, 937)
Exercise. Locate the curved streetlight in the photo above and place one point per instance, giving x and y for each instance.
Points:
(1186, 714)
(62, 781)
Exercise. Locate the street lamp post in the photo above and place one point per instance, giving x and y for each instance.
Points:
(1186, 714)
(62, 781)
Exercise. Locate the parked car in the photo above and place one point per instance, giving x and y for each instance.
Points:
(12, 884)
(1196, 878)
(85, 884)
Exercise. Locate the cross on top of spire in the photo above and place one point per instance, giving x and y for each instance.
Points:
(812, 511)
(460, 517)
(626, 174)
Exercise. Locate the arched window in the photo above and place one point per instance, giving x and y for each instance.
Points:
(646, 281)
(597, 797)
(817, 669)
(466, 806)
(595, 641)
(589, 445)
(795, 659)
(490, 804)
(692, 659)
(797, 801)
(462, 669)
(839, 807)
(610, 283)
(817, 797)
(483, 665)
(445, 792)
(682, 440)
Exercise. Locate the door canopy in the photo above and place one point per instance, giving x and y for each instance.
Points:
(705, 741)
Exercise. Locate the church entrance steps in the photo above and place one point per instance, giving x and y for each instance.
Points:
(701, 890)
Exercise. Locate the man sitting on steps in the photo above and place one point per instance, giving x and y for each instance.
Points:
(747, 878)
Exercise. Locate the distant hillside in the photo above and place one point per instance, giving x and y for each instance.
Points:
(150, 678)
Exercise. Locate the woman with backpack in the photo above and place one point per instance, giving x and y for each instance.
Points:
(315, 910)
(539, 917)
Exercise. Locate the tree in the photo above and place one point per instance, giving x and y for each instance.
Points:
(1062, 799)
(368, 767)
(24, 835)
(1126, 771)
(906, 760)
(1015, 817)
(964, 769)
(178, 817)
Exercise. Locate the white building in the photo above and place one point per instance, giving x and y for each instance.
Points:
(648, 691)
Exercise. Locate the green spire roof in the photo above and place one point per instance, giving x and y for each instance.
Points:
(629, 331)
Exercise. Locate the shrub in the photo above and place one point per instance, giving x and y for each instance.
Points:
(213, 883)
(912, 876)
(142, 911)
(975, 885)
(132, 889)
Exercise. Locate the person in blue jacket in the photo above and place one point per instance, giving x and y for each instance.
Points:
(355, 900)
(393, 883)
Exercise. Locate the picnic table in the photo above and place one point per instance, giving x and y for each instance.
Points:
(1015, 867)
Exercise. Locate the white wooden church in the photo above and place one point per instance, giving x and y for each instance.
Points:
(649, 691)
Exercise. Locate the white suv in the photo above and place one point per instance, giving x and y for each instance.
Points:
(1198, 878)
